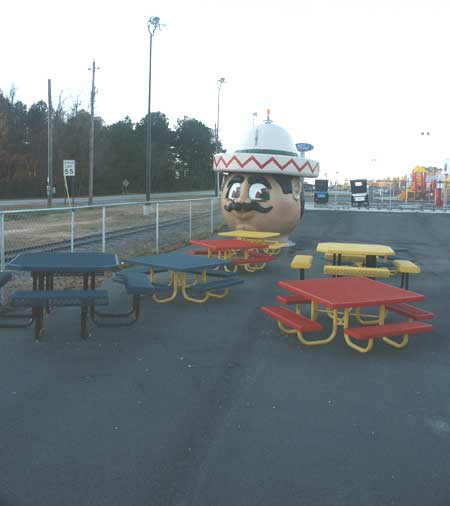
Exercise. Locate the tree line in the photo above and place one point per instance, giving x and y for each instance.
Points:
(181, 156)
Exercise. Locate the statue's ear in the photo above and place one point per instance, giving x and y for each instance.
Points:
(296, 188)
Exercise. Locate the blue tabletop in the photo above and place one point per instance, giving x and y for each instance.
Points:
(177, 261)
(65, 262)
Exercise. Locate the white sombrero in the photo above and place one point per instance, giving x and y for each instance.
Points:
(267, 148)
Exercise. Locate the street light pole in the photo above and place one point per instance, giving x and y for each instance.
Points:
(152, 24)
(50, 147)
(219, 86)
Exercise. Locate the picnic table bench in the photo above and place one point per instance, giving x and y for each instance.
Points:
(405, 268)
(410, 311)
(9, 320)
(302, 263)
(355, 270)
(137, 284)
(5, 277)
(388, 330)
(38, 300)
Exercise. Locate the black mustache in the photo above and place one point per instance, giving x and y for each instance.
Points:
(244, 207)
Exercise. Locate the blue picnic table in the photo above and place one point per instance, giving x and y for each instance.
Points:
(179, 265)
(45, 266)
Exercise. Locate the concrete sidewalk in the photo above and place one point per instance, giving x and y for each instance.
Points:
(211, 405)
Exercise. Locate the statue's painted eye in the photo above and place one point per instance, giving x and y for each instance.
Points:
(258, 191)
(234, 191)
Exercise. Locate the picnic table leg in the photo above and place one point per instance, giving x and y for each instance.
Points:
(374, 320)
(47, 281)
(84, 309)
(390, 341)
(347, 338)
(326, 340)
(313, 311)
(188, 297)
(174, 283)
(112, 317)
(38, 317)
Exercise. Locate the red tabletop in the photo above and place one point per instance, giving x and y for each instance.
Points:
(336, 293)
(225, 244)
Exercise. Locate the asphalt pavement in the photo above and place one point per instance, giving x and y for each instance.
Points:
(211, 405)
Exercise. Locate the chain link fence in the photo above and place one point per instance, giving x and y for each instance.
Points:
(127, 229)
(396, 195)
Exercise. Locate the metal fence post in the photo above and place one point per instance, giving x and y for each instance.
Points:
(190, 219)
(2, 242)
(103, 229)
(2, 253)
(212, 215)
(72, 228)
(157, 228)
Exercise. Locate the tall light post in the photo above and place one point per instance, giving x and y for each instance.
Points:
(219, 86)
(153, 24)
(50, 147)
(255, 115)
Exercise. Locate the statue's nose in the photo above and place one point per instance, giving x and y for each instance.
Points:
(243, 195)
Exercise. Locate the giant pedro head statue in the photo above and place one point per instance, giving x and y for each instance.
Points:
(262, 187)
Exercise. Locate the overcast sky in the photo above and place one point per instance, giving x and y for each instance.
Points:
(358, 79)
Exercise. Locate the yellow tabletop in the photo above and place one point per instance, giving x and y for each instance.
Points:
(348, 248)
(249, 234)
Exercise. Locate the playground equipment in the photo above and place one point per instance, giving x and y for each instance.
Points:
(426, 185)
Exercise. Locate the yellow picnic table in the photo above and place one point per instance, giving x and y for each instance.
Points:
(273, 246)
(369, 251)
(249, 234)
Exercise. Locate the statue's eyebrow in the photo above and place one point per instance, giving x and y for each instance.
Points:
(259, 179)
(235, 179)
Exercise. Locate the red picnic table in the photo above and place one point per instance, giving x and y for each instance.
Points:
(343, 298)
(240, 252)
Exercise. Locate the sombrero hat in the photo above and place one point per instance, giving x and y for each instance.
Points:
(267, 148)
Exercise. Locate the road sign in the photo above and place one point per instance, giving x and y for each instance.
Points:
(303, 147)
(69, 167)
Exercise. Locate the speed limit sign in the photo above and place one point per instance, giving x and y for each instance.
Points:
(69, 167)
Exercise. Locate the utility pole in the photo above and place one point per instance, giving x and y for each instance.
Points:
(50, 147)
(91, 139)
(219, 86)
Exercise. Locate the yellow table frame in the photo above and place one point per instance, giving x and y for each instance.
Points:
(341, 319)
(178, 281)
(229, 254)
